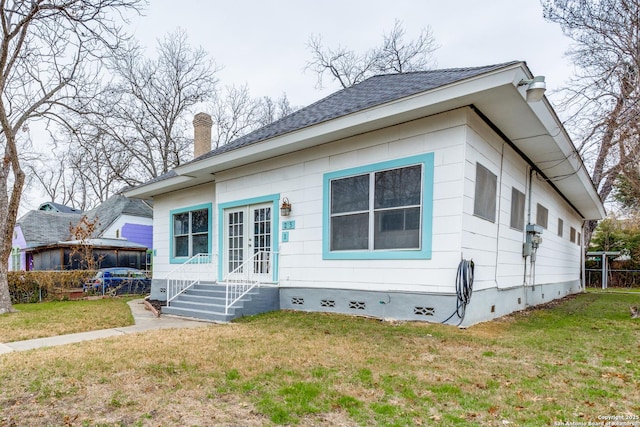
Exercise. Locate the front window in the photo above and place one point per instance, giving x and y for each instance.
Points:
(378, 210)
(191, 232)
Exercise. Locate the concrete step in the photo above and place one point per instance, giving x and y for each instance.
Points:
(198, 314)
(202, 306)
(205, 293)
(217, 300)
(207, 302)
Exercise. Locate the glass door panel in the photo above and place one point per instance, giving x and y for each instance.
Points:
(248, 233)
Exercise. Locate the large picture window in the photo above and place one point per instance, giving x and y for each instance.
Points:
(191, 232)
(387, 203)
(375, 210)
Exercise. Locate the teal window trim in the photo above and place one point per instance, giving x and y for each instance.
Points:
(426, 160)
(209, 207)
(275, 231)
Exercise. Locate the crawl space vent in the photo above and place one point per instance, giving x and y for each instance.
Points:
(357, 305)
(297, 301)
(424, 311)
(327, 303)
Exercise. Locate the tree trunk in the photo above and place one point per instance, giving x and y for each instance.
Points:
(5, 298)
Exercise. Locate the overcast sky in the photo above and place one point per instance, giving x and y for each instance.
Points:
(263, 43)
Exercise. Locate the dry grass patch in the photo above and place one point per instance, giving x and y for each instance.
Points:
(574, 362)
(49, 319)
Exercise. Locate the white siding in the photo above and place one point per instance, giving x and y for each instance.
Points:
(499, 261)
(162, 206)
(299, 177)
(458, 139)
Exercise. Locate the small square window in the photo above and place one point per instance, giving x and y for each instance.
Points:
(484, 203)
(517, 209)
(542, 216)
(191, 233)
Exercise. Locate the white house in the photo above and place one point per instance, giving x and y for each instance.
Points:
(397, 187)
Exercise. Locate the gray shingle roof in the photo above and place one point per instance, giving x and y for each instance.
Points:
(41, 228)
(44, 227)
(116, 205)
(372, 92)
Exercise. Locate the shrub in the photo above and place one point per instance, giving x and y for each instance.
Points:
(35, 286)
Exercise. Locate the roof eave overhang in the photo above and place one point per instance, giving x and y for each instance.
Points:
(159, 187)
(533, 128)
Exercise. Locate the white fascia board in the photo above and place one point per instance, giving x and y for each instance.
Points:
(158, 187)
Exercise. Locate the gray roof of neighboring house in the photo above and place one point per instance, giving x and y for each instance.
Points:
(109, 210)
(374, 91)
(41, 228)
(44, 227)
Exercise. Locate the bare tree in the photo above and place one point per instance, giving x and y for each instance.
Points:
(235, 113)
(156, 100)
(273, 110)
(398, 56)
(53, 176)
(135, 130)
(603, 96)
(47, 49)
(349, 67)
(139, 126)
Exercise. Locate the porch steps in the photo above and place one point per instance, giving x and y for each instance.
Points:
(206, 301)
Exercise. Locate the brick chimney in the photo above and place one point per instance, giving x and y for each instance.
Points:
(201, 134)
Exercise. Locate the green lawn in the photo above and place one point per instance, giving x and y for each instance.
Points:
(577, 362)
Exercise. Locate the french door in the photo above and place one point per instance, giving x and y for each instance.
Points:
(248, 236)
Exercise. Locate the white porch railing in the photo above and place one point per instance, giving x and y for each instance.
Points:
(191, 272)
(255, 272)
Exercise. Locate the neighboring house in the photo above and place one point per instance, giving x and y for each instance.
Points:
(57, 207)
(124, 231)
(394, 186)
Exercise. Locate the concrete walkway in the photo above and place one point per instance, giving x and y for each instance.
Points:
(145, 320)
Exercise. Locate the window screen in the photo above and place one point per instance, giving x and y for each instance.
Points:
(572, 235)
(542, 216)
(377, 210)
(560, 226)
(191, 233)
(517, 209)
(484, 204)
